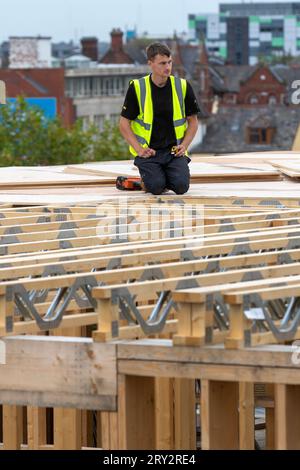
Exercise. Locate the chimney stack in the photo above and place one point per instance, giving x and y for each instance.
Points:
(116, 53)
(116, 40)
(89, 48)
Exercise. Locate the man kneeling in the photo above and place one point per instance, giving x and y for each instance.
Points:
(159, 122)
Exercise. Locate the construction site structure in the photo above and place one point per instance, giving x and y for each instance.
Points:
(130, 321)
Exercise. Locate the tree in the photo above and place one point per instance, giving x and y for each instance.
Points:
(109, 145)
(27, 137)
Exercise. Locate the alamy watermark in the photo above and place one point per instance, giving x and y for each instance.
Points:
(124, 220)
(295, 97)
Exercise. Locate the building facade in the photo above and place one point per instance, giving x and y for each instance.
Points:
(244, 33)
(256, 110)
(30, 52)
(98, 93)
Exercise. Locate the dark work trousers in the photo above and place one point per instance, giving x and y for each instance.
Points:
(164, 171)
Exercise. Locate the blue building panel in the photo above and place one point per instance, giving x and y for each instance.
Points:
(48, 106)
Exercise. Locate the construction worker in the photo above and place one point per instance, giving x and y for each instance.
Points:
(159, 122)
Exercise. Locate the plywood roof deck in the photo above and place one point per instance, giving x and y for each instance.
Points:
(258, 175)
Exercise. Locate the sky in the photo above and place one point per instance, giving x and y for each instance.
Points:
(73, 19)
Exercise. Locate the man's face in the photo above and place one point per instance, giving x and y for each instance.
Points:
(161, 65)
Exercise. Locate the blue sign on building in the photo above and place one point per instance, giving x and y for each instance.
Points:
(47, 105)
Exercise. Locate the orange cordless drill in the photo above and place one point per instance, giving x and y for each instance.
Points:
(129, 183)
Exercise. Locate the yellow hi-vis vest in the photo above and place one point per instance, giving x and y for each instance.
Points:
(142, 125)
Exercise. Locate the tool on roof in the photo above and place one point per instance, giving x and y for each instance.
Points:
(129, 183)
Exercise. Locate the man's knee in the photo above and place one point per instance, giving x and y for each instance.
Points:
(155, 187)
(180, 186)
(181, 189)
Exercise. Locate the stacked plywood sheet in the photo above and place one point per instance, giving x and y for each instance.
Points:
(95, 181)
(289, 167)
(252, 157)
(284, 192)
(19, 177)
(113, 169)
(201, 172)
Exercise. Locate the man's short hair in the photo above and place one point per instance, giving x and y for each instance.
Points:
(157, 48)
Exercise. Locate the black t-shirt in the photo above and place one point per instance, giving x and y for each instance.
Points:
(163, 134)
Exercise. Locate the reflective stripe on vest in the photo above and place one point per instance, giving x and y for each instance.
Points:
(142, 125)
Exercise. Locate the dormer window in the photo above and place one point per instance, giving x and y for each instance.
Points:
(260, 135)
(261, 130)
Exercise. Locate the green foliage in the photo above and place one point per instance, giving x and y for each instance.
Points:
(28, 138)
(285, 59)
(110, 144)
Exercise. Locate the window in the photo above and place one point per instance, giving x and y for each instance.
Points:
(87, 86)
(99, 121)
(79, 87)
(230, 98)
(107, 87)
(114, 119)
(272, 100)
(253, 99)
(238, 58)
(96, 86)
(254, 136)
(85, 122)
(266, 29)
(260, 136)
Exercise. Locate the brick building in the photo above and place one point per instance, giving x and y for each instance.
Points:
(42, 84)
(255, 111)
(251, 86)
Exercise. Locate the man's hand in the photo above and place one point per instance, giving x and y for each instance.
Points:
(146, 152)
(180, 150)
